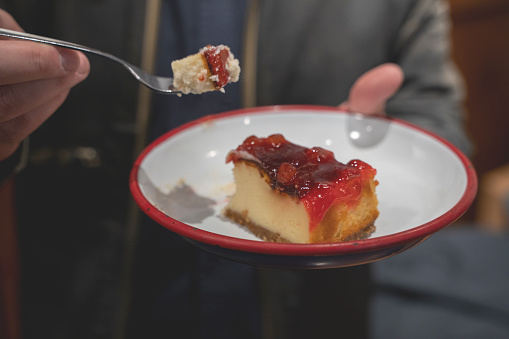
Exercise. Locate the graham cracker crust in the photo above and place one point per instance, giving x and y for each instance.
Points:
(266, 235)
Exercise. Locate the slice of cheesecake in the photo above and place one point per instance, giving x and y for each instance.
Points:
(289, 193)
(209, 70)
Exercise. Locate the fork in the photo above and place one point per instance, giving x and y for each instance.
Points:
(156, 83)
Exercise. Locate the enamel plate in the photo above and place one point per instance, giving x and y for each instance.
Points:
(182, 182)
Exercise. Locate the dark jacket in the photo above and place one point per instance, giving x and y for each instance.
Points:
(90, 271)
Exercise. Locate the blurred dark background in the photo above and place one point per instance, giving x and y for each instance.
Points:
(81, 150)
(480, 29)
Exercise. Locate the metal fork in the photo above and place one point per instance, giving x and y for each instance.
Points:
(156, 83)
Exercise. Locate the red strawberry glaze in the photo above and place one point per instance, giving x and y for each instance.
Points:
(311, 174)
(216, 59)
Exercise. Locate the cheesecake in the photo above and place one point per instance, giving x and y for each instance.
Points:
(285, 192)
(208, 70)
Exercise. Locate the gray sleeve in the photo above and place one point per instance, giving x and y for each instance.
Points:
(433, 92)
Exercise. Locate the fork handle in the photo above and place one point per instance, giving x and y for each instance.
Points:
(37, 38)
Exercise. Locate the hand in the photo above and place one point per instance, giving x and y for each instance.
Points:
(371, 91)
(35, 80)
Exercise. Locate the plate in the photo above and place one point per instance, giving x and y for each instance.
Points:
(182, 182)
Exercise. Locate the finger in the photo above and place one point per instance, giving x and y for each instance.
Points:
(22, 61)
(19, 128)
(371, 91)
(16, 100)
(14, 131)
(7, 21)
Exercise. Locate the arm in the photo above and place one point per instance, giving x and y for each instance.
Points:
(432, 93)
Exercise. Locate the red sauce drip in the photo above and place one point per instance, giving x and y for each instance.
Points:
(216, 59)
(312, 174)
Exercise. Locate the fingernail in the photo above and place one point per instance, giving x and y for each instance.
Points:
(70, 60)
(84, 67)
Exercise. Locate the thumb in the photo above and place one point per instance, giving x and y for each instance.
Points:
(372, 90)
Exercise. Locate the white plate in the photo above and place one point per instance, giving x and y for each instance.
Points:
(181, 180)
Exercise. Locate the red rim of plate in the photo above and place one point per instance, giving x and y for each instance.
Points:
(338, 248)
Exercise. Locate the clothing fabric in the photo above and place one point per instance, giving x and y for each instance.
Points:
(73, 208)
(216, 298)
(329, 44)
(186, 27)
(451, 286)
